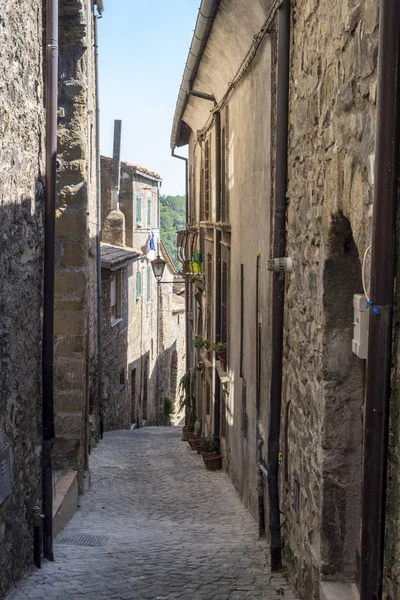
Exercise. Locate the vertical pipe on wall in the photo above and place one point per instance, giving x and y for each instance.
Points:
(278, 288)
(48, 287)
(377, 401)
(259, 440)
(99, 284)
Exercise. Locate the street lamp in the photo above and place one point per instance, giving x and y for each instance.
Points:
(158, 266)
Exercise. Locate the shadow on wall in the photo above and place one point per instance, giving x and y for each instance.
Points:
(21, 256)
(143, 385)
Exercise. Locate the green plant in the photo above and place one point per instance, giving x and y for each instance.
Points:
(185, 399)
(201, 343)
(169, 409)
(217, 347)
(210, 444)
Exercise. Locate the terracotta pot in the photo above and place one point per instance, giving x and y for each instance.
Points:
(212, 462)
(199, 449)
(193, 442)
(185, 434)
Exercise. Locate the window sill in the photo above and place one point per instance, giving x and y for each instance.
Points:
(115, 321)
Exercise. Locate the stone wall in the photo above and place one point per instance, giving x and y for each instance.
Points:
(331, 139)
(116, 399)
(75, 283)
(22, 135)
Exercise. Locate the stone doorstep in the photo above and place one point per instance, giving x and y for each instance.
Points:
(65, 501)
(335, 590)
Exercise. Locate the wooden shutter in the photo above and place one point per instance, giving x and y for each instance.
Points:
(138, 210)
(149, 212)
(113, 292)
(148, 284)
(138, 285)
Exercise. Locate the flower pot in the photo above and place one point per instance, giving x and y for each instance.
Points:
(185, 434)
(212, 462)
(199, 449)
(193, 442)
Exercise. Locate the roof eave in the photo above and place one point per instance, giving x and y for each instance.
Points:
(205, 20)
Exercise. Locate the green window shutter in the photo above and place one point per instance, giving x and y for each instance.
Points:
(149, 212)
(148, 283)
(138, 286)
(138, 210)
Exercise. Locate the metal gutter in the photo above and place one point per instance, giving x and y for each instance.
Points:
(383, 261)
(278, 284)
(52, 51)
(205, 20)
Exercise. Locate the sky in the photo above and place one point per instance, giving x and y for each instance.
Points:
(143, 46)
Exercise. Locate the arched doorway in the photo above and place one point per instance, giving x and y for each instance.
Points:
(343, 392)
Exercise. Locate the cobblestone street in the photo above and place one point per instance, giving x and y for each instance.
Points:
(156, 525)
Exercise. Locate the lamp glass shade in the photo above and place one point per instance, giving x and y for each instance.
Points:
(158, 266)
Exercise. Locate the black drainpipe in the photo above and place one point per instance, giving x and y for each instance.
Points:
(99, 283)
(217, 389)
(377, 403)
(278, 289)
(48, 286)
(259, 440)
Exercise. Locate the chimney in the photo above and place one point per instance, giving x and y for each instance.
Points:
(114, 224)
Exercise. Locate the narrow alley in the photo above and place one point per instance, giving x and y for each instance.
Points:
(156, 524)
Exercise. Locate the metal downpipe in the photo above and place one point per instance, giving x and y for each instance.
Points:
(99, 283)
(278, 289)
(377, 402)
(48, 287)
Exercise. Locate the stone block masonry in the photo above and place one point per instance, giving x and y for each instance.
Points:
(22, 134)
(75, 283)
(187, 537)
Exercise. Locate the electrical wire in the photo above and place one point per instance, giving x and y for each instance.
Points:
(363, 273)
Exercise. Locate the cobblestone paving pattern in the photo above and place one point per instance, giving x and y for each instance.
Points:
(156, 525)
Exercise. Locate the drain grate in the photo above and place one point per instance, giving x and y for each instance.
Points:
(94, 541)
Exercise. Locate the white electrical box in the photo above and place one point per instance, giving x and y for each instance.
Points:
(360, 333)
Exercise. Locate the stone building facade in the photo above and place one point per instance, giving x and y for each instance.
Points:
(22, 135)
(76, 402)
(23, 194)
(151, 334)
(232, 168)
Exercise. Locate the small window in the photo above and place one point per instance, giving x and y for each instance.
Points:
(122, 379)
(138, 285)
(148, 284)
(149, 212)
(138, 210)
(115, 297)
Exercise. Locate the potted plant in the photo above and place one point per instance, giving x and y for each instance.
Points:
(202, 343)
(169, 410)
(211, 456)
(185, 404)
(220, 350)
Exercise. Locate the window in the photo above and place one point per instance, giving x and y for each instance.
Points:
(115, 297)
(138, 210)
(138, 285)
(209, 297)
(149, 212)
(122, 379)
(224, 303)
(241, 317)
(148, 284)
(208, 399)
(207, 181)
(245, 418)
